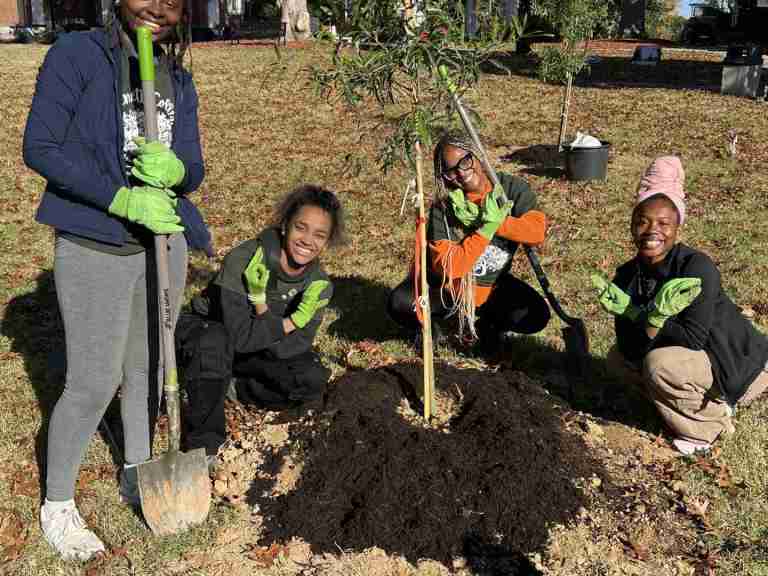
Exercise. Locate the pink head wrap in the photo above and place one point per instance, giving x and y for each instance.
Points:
(664, 176)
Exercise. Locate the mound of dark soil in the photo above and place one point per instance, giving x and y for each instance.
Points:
(484, 485)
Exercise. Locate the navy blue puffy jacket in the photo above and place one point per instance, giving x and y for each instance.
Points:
(74, 139)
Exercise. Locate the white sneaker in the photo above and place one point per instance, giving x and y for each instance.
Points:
(689, 447)
(65, 531)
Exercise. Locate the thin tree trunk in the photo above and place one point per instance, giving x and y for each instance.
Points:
(511, 9)
(296, 17)
(428, 349)
(409, 13)
(564, 113)
(470, 17)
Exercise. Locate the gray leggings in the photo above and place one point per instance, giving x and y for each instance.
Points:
(103, 303)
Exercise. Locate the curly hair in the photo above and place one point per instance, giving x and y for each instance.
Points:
(312, 195)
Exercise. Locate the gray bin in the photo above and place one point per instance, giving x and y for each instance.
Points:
(742, 68)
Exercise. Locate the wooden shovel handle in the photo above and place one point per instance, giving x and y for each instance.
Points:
(170, 373)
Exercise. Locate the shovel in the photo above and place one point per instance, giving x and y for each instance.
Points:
(575, 332)
(175, 489)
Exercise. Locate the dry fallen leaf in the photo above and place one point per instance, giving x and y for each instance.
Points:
(634, 549)
(26, 482)
(263, 555)
(13, 535)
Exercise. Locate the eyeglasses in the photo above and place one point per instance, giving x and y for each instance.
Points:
(465, 164)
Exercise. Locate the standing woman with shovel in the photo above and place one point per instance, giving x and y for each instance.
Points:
(108, 193)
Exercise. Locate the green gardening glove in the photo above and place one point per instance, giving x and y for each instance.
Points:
(613, 299)
(496, 208)
(256, 277)
(464, 210)
(157, 165)
(310, 303)
(148, 206)
(672, 298)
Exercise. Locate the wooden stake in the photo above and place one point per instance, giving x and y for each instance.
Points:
(409, 13)
(429, 367)
(564, 113)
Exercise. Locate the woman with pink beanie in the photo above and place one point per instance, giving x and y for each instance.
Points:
(678, 335)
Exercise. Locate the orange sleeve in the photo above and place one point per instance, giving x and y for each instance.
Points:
(462, 256)
(530, 228)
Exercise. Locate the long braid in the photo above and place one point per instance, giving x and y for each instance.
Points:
(183, 38)
(462, 293)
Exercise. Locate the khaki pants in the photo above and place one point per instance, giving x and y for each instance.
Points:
(679, 382)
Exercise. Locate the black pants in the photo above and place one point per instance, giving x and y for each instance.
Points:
(208, 363)
(513, 306)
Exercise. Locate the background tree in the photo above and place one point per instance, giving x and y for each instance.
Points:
(662, 19)
(576, 21)
(295, 15)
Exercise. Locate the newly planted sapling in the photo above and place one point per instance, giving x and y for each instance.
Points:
(394, 64)
(576, 22)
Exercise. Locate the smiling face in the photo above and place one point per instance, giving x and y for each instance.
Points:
(305, 237)
(654, 228)
(462, 170)
(160, 16)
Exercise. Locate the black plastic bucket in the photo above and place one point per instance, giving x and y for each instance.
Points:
(587, 163)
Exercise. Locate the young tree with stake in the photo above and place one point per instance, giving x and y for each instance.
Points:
(397, 67)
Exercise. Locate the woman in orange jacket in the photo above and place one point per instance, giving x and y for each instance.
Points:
(473, 231)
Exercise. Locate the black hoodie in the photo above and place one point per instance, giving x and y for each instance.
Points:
(712, 322)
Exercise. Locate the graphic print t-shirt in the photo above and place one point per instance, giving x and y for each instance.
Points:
(132, 109)
(132, 102)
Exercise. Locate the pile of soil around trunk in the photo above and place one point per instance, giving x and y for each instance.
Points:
(485, 483)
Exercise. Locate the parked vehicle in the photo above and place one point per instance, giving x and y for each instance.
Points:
(747, 22)
(706, 25)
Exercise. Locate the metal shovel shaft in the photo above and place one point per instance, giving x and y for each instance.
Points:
(175, 489)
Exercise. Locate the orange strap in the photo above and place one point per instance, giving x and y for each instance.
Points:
(420, 222)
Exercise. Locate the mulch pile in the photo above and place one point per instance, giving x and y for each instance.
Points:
(483, 484)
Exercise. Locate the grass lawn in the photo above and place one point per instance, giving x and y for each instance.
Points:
(264, 131)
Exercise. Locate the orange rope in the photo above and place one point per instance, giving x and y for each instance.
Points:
(417, 270)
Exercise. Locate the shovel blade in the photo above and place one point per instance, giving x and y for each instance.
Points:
(175, 491)
(576, 355)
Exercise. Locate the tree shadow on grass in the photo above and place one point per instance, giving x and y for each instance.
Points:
(33, 325)
(361, 306)
(512, 63)
(602, 395)
(496, 469)
(538, 160)
(620, 72)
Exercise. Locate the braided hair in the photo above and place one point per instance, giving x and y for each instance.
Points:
(461, 291)
(457, 140)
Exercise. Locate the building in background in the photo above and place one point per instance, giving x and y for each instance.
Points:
(57, 15)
